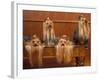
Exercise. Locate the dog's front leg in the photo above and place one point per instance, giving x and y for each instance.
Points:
(48, 37)
(68, 54)
(52, 34)
(29, 50)
(59, 55)
(40, 62)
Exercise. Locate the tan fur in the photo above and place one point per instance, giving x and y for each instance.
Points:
(64, 53)
(84, 30)
(48, 33)
(31, 48)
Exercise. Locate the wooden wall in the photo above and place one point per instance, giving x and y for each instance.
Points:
(64, 22)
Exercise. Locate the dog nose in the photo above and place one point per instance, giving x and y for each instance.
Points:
(47, 23)
(62, 44)
(49, 27)
(35, 45)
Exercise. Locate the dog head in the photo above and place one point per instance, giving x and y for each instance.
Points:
(62, 42)
(82, 19)
(35, 41)
(48, 23)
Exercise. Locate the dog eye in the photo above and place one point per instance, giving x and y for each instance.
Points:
(32, 41)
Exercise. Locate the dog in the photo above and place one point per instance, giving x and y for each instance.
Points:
(84, 29)
(32, 47)
(64, 50)
(48, 31)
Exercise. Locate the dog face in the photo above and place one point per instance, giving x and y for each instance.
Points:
(83, 20)
(36, 42)
(62, 42)
(48, 23)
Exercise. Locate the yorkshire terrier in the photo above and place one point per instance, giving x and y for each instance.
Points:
(64, 50)
(32, 47)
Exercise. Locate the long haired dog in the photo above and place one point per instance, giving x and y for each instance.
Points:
(84, 29)
(32, 47)
(64, 51)
(48, 31)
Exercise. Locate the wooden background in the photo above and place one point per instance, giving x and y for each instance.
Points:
(64, 22)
